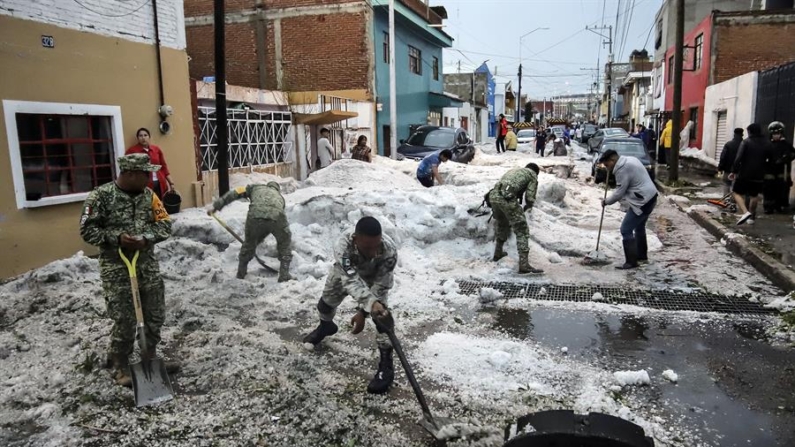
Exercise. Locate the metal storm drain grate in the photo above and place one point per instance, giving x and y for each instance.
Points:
(697, 301)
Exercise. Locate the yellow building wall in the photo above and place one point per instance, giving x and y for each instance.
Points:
(84, 68)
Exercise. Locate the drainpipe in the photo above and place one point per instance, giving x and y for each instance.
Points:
(164, 113)
(157, 50)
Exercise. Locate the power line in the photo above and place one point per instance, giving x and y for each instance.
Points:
(146, 2)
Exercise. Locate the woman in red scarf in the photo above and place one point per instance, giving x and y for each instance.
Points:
(160, 182)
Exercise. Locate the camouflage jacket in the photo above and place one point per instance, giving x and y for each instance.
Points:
(366, 280)
(518, 181)
(109, 212)
(266, 201)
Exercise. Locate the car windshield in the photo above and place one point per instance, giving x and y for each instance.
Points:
(432, 138)
(591, 128)
(526, 133)
(629, 148)
(615, 132)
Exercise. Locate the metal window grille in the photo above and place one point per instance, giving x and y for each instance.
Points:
(414, 60)
(435, 68)
(386, 47)
(256, 138)
(64, 154)
(699, 50)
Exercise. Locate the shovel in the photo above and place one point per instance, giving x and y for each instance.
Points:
(149, 377)
(239, 239)
(596, 257)
(440, 428)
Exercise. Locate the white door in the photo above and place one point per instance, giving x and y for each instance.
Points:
(722, 134)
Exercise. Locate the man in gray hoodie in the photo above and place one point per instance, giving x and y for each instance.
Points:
(635, 189)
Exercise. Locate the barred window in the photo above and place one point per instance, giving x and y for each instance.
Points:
(386, 47)
(699, 50)
(435, 68)
(415, 60)
(60, 152)
(255, 138)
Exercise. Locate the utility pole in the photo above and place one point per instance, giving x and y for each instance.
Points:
(676, 128)
(519, 97)
(222, 146)
(609, 75)
(392, 84)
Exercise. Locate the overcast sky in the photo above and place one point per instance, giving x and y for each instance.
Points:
(491, 30)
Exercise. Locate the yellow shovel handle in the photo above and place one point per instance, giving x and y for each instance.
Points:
(130, 264)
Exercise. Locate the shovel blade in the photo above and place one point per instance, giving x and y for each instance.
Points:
(151, 385)
(441, 428)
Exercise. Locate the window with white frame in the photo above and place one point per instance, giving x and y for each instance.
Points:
(60, 152)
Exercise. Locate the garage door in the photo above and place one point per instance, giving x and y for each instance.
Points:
(722, 136)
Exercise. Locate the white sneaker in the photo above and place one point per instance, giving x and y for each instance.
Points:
(750, 221)
(744, 218)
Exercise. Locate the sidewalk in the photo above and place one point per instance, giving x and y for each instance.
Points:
(768, 245)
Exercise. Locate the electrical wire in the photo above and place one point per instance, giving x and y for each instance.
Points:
(116, 16)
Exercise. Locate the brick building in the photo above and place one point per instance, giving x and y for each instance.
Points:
(724, 46)
(325, 47)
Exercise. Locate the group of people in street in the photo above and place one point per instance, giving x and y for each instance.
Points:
(758, 166)
(326, 153)
(126, 217)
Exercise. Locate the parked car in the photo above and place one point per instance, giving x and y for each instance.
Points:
(429, 139)
(595, 142)
(587, 131)
(626, 147)
(526, 136)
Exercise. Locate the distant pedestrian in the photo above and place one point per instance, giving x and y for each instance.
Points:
(362, 151)
(748, 172)
(541, 141)
(777, 172)
(325, 151)
(635, 188)
(727, 157)
(511, 142)
(428, 170)
(665, 143)
(502, 130)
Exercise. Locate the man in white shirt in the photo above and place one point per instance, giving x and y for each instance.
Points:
(325, 151)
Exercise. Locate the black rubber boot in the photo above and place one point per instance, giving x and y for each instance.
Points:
(385, 375)
(631, 255)
(325, 329)
(499, 253)
(643, 249)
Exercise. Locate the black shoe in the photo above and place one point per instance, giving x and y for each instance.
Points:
(631, 255)
(325, 329)
(385, 375)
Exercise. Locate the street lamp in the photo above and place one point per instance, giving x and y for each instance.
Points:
(519, 97)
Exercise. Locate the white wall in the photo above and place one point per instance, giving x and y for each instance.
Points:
(113, 18)
(737, 97)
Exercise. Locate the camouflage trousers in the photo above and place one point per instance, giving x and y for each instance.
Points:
(257, 230)
(334, 292)
(118, 299)
(508, 215)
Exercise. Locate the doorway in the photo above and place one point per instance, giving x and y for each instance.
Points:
(387, 142)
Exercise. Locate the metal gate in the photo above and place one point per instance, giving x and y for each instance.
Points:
(256, 138)
(722, 134)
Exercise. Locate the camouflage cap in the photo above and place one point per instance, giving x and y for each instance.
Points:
(275, 186)
(137, 162)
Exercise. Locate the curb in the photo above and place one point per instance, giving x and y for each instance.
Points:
(778, 273)
(775, 271)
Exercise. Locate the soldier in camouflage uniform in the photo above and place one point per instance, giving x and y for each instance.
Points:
(265, 216)
(364, 267)
(127, 214)
(505, 199)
